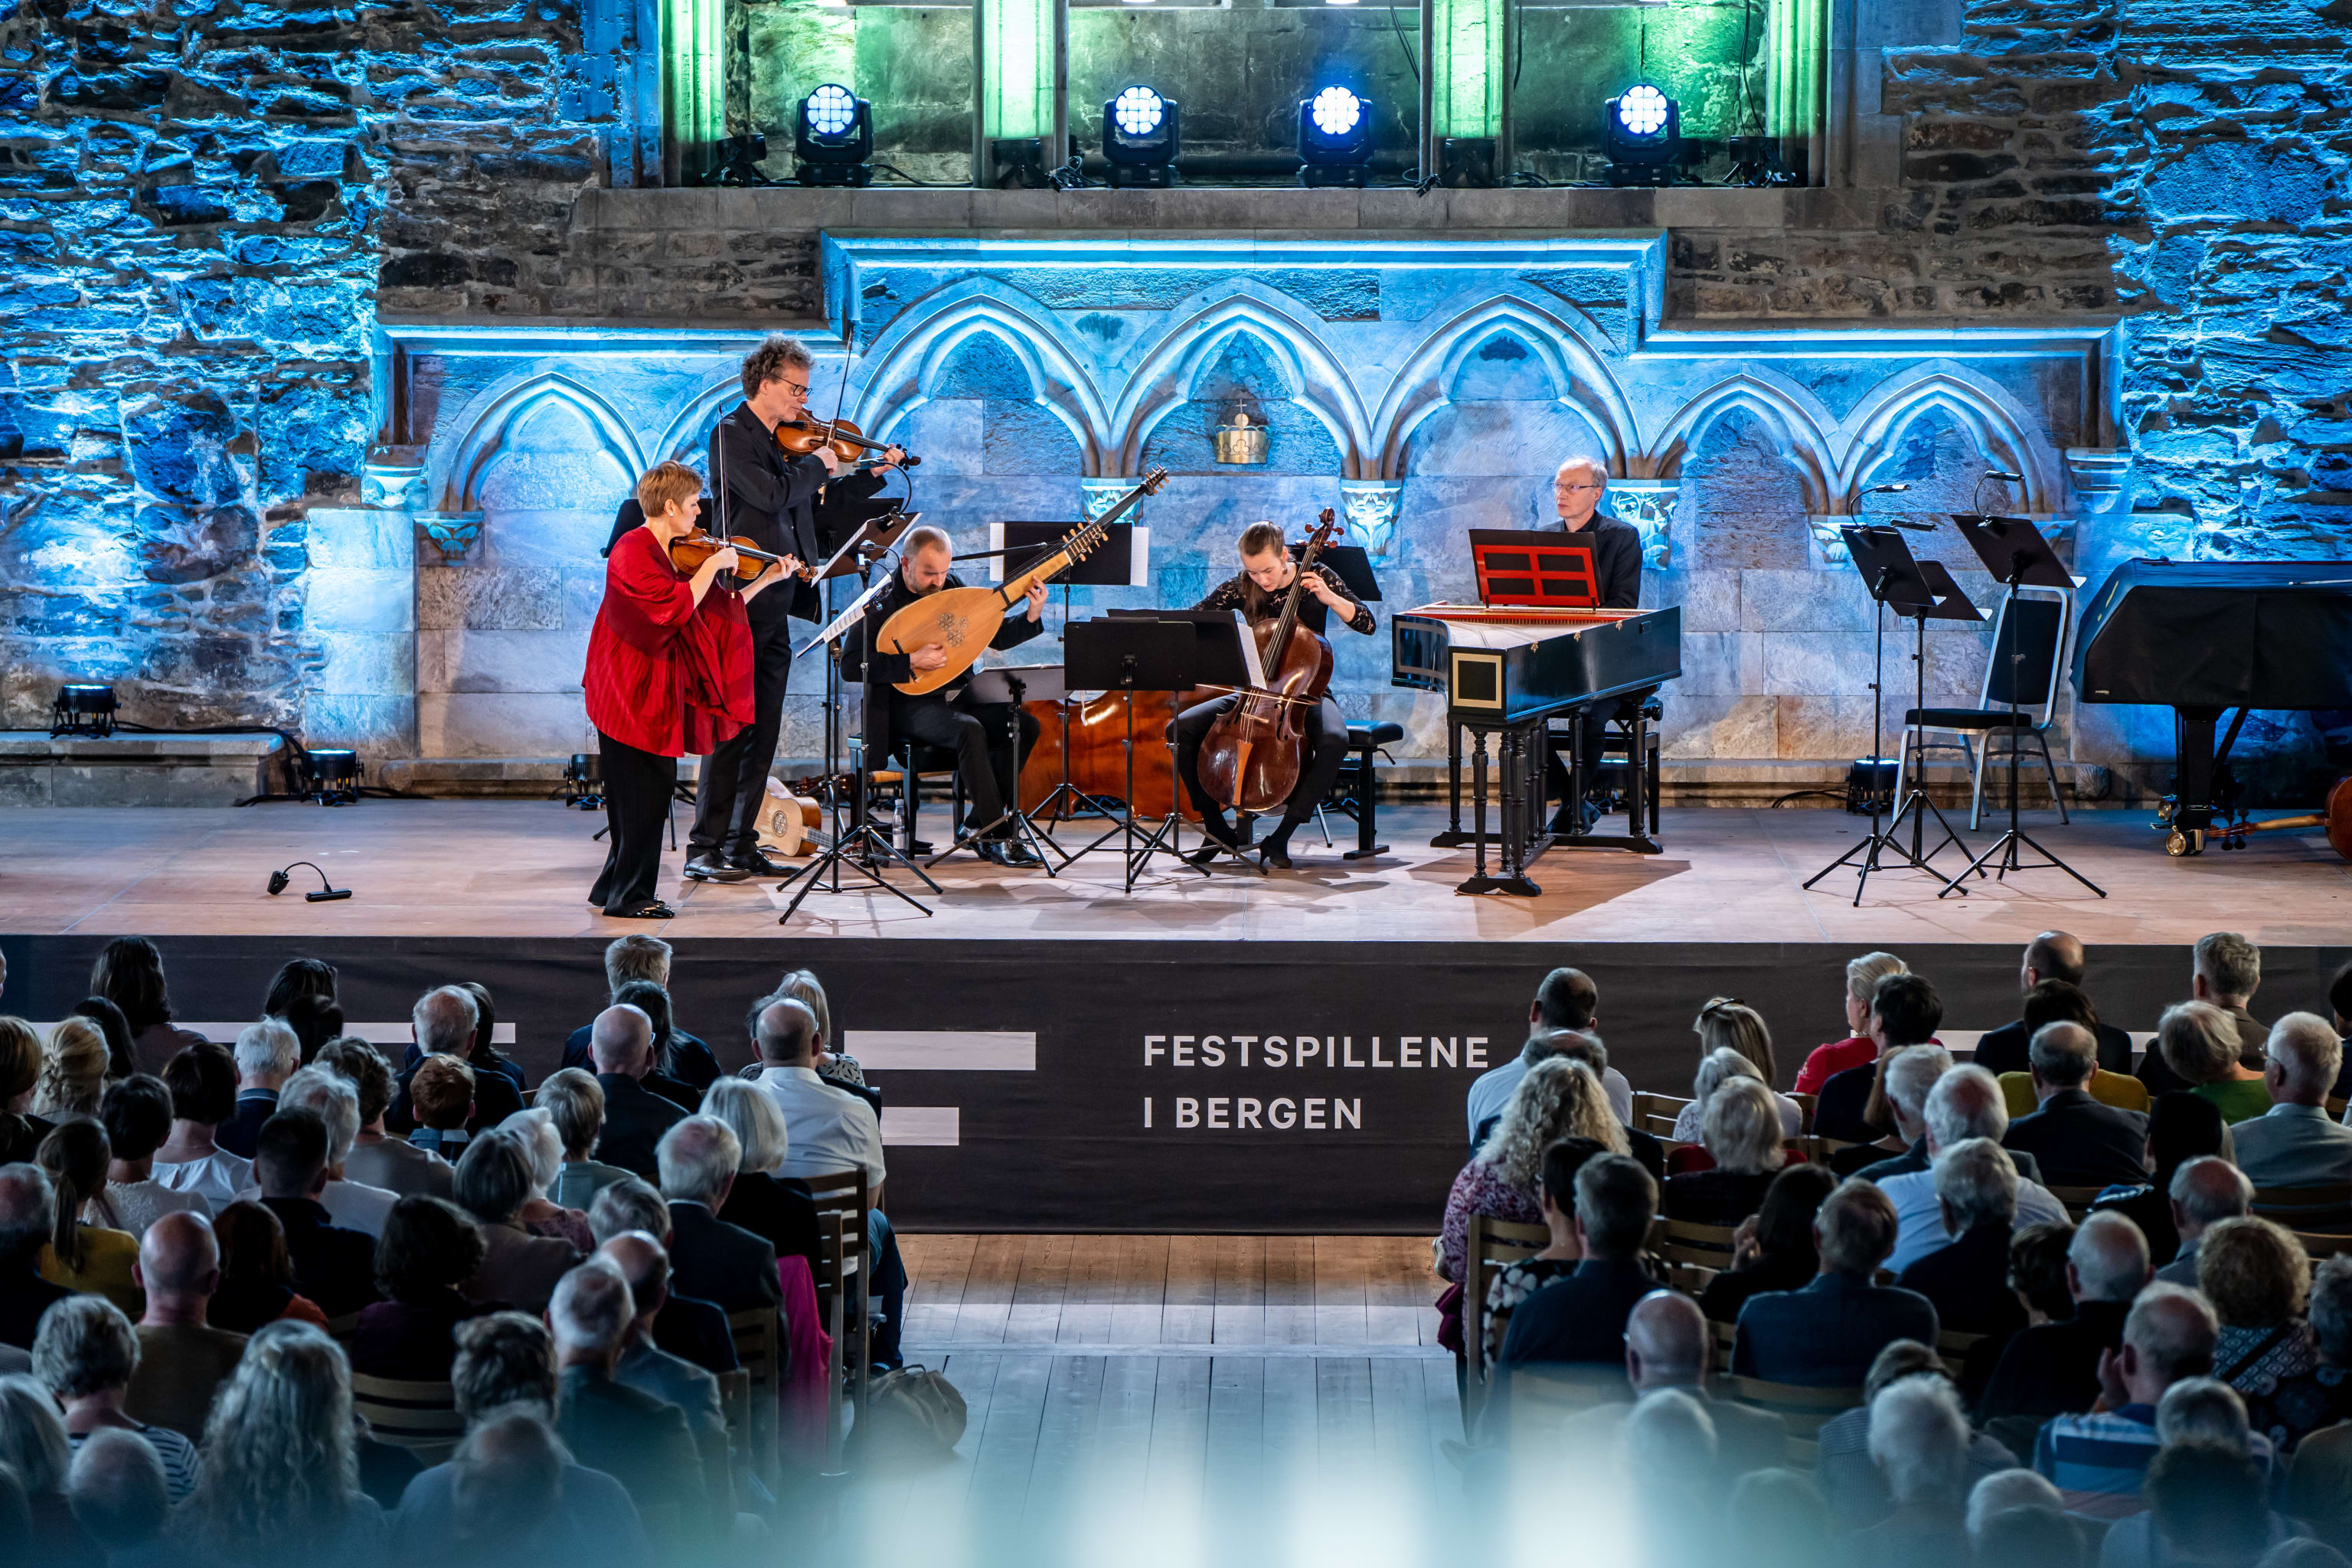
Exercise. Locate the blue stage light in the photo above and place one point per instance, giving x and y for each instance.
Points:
(1642, 110)
(1140, 137)
(1335, 138)
(1640, 131)
(830, 110)
(1336, 110)
(1137, 111)
(834, 140)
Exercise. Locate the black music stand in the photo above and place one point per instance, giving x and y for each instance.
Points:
(1153, 650)
(1352, 564)
(2014, 552)
(1112, 565)
(1895, 580)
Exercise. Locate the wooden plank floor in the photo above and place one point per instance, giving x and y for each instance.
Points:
(1174, 1399)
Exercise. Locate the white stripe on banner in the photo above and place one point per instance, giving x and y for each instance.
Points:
(395, 1033)
(942, 1050)
(921, 1126)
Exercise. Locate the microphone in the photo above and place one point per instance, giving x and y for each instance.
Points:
(1886, 489)
(2010, 475)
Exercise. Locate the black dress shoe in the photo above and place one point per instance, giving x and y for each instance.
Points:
(1019, 853)
(654, 911)
(1211, 847)
(754, 862)
(714, 867)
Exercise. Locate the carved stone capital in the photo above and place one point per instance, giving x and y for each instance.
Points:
(1372, 507)
(1649, 505)
(1100, 495)
(2101, 477)
(452, 532)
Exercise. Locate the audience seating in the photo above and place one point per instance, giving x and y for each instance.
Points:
(2298, 1208)
(1694, 1253)
(1805, 1410)
(343, 1328)
(1805, 1104)
(735, 1405)
(2316, 1247)
(1494, 1246)
(2078, 1200)
(1541, 1399)
(758, 1345)
(843, 1270)
(1654, 1113)
(421, 1417)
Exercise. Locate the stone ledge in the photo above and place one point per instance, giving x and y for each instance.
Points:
(196, 769)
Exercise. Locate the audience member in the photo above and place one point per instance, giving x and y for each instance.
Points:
(1567, 999)
(2208, 1503)
(1919, 1444)
(333, 1266)
(182, 1359)
(2055, 1001)
(2077, 1142)
(637, 1438)
(137, 1116)
(711, 1259)
(2010, 1494)
(493, 1182)
(1580, 1319)
(129, 973)
(1715, 1070)
(534, 1133)
(647, 959)
(20, 1069)
(429, 1249)
(2201, 1043)
(281, 1469)
(512, 1495)
(377, 1158)
(504, 1361)
(1776, 1517)
(673, 1379)
(1968, 1282)
(1514, 1282)
(1569, 1045)
(315, 1020)
(1743, 1135)
(2053, 1369)
(653, 1001)
(203, 1081)
(1965, 1103)
(1667, 1342)
(440, 1106)
(1906, 1077)
(449, 1021)
(687, 1327)
(2181, 1128)
(35, 1455)
(2204, 1192)
(778, 1212)
(2225, 971)
(81, 1256)
(85, 1356)
(2296, 1144)
(122, 1498)
(73, 1071)
(335, 1101)
(2098, 1459)
(2320, 1486)
(576, 1101)
(121, 1060)
(1727, 1023)
(1858, 1049)
(1904, 1011)
(634, 1117)
(257, 1283)
(1773, 1250)
(2256, 1276)
(268, 1054)
(298, 978)
(2320, 1399)
(1827, 1333)
(28, 1203)
(833, 1065)
(2054, 956)
(1851, 1483)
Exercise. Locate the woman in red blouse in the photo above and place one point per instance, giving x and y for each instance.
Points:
(670, 672)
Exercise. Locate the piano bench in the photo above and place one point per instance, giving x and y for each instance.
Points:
(1356, 793)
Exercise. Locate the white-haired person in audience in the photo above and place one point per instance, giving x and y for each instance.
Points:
(1727, 1023)
(36, 1454)
(122, 1498)
(1555, 1100)
(2201, 1043)
(1851, 1482)
(1828, 1334)
(648, 959)
(687, 1327)
(2203, 1192)
(2225, 969)
(335, 1101)
(1965, 1103)
(2077, 1141)
(621, 1041)
(1919, 1443)
(203, 1081)
(268, 1053)
(1858, 1049)
(281, 1479)
(534, 1132)
(641, 1441)
(575, 1102)
(1742, 1136)
(377, 1158)
(779, 1213)
(455, 1023)
(709, 1258)
(1905, 1080)
(85, 1355)
(643, 1262)
(1968, 1282)
(2053, 1368)
(2260, 1280)
(2296, 1144)
(137, 1116)
(494, 1182)
(182, 1359)
(1716, 1068)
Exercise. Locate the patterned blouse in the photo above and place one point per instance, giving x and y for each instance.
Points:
(1233, 593)
(1515, 1285)
(1480, 1189)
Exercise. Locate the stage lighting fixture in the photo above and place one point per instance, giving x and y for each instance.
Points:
(1642, 133)
(835, 138)
(335, 775)
(584, 781)
(1140, 137)
(1334, 139)
(83, 710)
(327, 894)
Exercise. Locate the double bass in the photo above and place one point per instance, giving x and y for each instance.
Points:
(1251, 758)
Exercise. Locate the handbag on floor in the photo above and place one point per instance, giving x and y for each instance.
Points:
(911, 1411)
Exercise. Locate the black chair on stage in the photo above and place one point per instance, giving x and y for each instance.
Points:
(1617, 749)
(1356, 792)
(2044, 621)
(916, 757)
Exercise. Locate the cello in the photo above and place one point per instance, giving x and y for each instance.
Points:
(1251, 758)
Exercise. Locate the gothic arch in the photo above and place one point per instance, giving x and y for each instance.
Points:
(487, 433)
(1788, 409)
(1980, 407)
(1580, 377)
(1162, 379)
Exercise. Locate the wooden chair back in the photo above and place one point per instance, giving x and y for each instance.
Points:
(421, 1417)
(2317, 1245)
(343, 1328)
(1727, 1339)
(1803, 1408)
(844, 1270)
(2078, 1200)
(1953, 1347)
(1805, 1106)
(1543, 1398)
(1694, 1253)
(735, 1406)
(1493, 1245)
(2305, 1208)
(1655, 1113)
(760, 1348)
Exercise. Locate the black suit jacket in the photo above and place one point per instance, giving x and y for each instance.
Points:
(1828, 1334)
(635, 1120)
(333, 1267)
(780, 1213)
(2004, 1050)
(2080, 1143)
(878, 671)
(1837, 1111)
(1968, 1282)
(689, 1057)
(643, 1443)
(24, 1297)
(695, 1330)
(720, 1263)
(242, 1131)
(1616, 557)
(2054, 1370)
(1915, 1158)
(1579, 1317)
(767, 495)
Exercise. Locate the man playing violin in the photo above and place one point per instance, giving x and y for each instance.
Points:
(768, 496)
(1258, 591)
(947, 718)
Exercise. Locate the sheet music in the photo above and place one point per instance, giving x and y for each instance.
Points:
(1249, 654)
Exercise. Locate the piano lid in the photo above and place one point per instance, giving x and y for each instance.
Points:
(2219, 634)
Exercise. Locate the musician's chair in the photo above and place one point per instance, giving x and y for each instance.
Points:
(1629, 734)
(915, 758)
(2044, 622)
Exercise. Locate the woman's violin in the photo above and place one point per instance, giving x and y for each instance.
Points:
(688, 552)
(801, 437)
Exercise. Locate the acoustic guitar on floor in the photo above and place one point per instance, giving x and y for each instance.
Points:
(964, 621)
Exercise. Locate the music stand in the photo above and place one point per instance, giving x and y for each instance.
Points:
(1523, 566)
(1919, 591)
(870, 540)
(1352, 564)
(2014, 552)
(1122, 561)
(1009, 686)
(1153, 650)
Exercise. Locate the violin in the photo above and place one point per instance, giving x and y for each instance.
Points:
(1251, 758)
(801, 437)
(689, 551)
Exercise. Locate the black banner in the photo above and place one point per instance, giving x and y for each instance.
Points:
(1165, 1085)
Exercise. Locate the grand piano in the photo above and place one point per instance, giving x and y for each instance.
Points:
(1508, 671)
(2204, 637)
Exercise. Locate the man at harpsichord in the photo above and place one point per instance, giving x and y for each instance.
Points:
(947, 718)
(1579, 490)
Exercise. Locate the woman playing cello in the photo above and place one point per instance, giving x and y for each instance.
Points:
(670, 672)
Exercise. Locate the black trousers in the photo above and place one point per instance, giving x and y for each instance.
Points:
(1594, 726)
(1327, 738)
(735, 777)
(975, 732)
(638, 790)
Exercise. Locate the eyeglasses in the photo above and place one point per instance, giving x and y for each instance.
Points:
(1558, 489)
(797, 388)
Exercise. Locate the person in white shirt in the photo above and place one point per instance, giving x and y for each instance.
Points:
(137, 1115)
(203, 1081)
(330, 1096)
(2297, 1144)
(1966, 1103)
(1567, 999)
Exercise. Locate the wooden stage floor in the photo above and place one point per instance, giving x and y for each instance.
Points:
(521, 868)
(1175, 1399)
